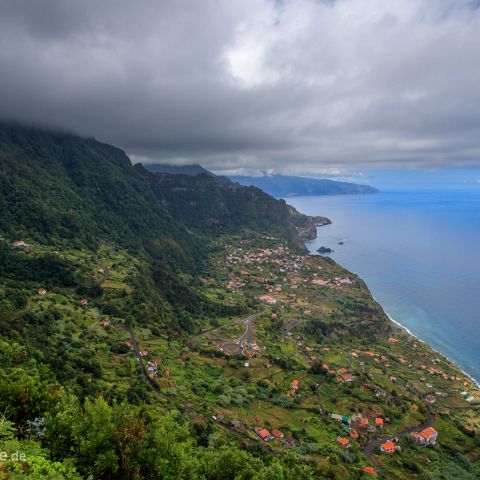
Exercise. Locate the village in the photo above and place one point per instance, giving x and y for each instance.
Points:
(268, 378)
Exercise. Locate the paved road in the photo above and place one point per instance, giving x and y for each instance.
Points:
(247, 337)
(141, 364)
(372, 444)
(136, 350)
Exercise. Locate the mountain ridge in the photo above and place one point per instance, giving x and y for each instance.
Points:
(284, 186)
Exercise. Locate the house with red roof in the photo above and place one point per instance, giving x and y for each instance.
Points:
(19, 244)
(387, 447)
(370, 471)
(363, 422)
(277, 434)
(354, 434)
(344, 442)
(264, 434)
(379, 421)
(427, 436)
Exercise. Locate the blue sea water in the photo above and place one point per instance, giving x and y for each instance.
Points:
(419, 252)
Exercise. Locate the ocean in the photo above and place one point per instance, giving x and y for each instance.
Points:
(419, 253)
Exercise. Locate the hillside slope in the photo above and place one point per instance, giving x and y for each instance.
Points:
(155, 326)
(62, 190)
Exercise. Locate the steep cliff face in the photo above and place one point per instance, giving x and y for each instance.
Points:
(64, 188)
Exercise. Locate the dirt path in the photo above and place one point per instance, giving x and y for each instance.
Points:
(106, 271)
(372, 444)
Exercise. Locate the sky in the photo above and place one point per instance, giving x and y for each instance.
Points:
(339, 88)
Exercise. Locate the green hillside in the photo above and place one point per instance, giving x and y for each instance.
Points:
(153, 325)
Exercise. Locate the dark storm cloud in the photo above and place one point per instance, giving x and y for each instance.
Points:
(297, 85)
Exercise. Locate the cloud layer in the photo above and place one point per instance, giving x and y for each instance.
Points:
(291, 85)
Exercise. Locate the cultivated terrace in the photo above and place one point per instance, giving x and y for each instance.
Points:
(311, 367)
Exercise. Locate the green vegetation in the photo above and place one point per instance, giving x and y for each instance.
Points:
(128, 318)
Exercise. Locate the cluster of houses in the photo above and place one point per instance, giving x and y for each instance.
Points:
(426, 437)
(281, 257)
(269, 435)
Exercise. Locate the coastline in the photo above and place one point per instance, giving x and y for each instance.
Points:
(395, 322)
(409, 332)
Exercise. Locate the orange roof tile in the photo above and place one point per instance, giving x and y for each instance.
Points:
(428, 432)
(388, 446)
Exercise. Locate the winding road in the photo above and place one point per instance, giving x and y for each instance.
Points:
(235, 347)
(136, 350)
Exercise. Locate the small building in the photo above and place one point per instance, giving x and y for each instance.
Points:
(388, 447)
(268, 299)
(427, 436)
(83, 302)
(277, 434)
(363, 422)
(354, 434)
(379, 421)
(42, 292)
(344, 442)
(346, 378)
(19, 244)
(152, 367)
(264, 434)
(370, 471)
(289, 442)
